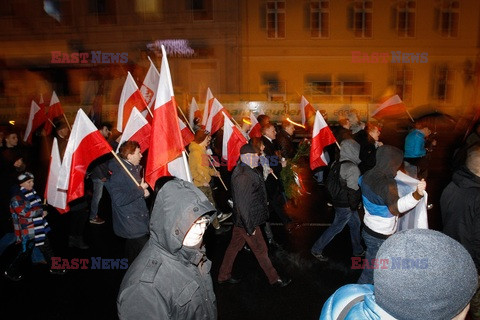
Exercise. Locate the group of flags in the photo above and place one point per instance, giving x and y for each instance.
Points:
(149, 115)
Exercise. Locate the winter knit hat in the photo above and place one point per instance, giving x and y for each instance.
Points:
(247, 148)
(428, 275)
(25, 176)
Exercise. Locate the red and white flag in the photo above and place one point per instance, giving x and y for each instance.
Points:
(179, 168)
(306, 110)
(392, 107)
(137, 129)
(208, 106)
(322, 136)
(130, 97)
(85, 144)
(187, 134)
(215, 118)
(55, 110)
(166, 143)
(150, 85)
(35, 119)
(255, 129)
(55, 197)
(191, 112)
(41, 102)
(233, 140)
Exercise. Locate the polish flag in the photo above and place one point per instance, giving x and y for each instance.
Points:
(55, 110)
(55, 197)
(392, 107)
(306, 110)
(137, 129)
(166, 142)
(41, 102)
(35, 119)
(179, 168)
(215, 118)
(233, 140)
(85, 144)
(130, 97)
(322, 136)
(208, 107)
(255, 129)
(191, 111)
(187, 134)
(150, 85)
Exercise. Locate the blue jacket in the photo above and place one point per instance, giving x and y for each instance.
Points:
(129, 211)
(415, 144)
(364, 308)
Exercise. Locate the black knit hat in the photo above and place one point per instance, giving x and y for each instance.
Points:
(247, 148)
(25, 176)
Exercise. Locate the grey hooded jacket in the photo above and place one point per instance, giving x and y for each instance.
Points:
(168, 280)
(349, 174)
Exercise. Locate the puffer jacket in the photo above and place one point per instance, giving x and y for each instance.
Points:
(199, 165)
(343, 301)
(250, 206)
(129, 210)
(168, 280)
(460, 206)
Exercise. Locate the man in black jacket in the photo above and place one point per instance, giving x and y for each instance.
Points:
(460, 206)
(250, 210)
(284, 140)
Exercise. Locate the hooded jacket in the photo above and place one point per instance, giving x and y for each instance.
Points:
(199, 166)
(129, 209)
(460, 206)
(349, 174)
(380, 194)
(168, 280)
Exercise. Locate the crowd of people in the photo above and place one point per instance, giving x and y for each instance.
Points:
(169, 273)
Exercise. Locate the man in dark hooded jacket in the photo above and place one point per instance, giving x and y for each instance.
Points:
(382, 204)
(170, 278)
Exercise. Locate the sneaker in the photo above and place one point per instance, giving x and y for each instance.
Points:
(97, 220)
(329, 204)
(223, 216)
(230, 203)
(15, 278)
(280, 283)
(320, 257)
(59, 272)
(222, 230)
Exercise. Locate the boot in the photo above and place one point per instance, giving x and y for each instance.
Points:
(77, 241)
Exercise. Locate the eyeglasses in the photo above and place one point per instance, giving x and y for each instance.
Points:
(203, 220)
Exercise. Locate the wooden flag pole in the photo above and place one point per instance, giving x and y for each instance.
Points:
(49, 120)
(125, 168)
(409, 115)
(68, 123)
(184, 117)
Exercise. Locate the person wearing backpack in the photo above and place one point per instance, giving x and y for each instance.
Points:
(342, 184)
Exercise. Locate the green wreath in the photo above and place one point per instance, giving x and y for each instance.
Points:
(288, 174)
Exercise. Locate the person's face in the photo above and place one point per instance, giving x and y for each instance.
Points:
(64, 132)
(427, 131)
(250, 159)
(105, 132)
(375, 134)
(347, 124)
(28, 185)
(11, 140)
(134, 158)
(194, 235)
(271, 132)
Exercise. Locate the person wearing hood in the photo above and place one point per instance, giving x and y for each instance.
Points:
(346, 202)
(130, 214)
(382, 204)
(423, 274)
(170, 278)
(460, 207)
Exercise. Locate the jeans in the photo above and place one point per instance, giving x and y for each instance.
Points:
(7, 240)
(373, 244)
(96, 196)
(343, 216)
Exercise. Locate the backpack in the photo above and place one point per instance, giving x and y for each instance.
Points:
(334, 184)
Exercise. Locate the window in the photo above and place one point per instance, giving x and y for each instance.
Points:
(202, 10)
(443, 83)
(405, 16)
(403, 82)
(446, 17)
(277, 90)
(149, 9)
(319, 18)
(105, 10)
(355, 88)
(275, 19)
(362, 18)
(320, 88)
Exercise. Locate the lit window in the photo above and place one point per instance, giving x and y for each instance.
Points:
(405, 14)
(362, 18)
(275, 19)
(277, 90)
(446, 17)
(404, 84)
(319, 18)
